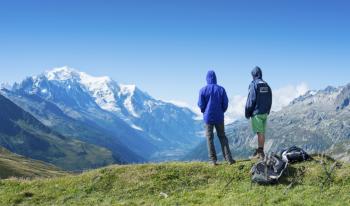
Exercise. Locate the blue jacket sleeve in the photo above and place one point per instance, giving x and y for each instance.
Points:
(251, 101)
(202, 104)
(224, 101)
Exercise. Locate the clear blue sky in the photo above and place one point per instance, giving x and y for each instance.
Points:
(166, 47)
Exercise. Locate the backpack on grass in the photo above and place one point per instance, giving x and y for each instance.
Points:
(294, 154)
(269, 170)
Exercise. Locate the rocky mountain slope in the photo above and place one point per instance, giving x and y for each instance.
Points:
(318, 121)
(98, 110)
(23, 134)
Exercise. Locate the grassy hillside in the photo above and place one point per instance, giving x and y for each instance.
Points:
(23, 134)
(12, 165)
(182, 184)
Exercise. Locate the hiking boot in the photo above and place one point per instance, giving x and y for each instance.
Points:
(213, 163)
(231, 162)
(259, 154)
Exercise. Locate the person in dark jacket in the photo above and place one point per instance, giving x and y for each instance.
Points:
(258, 108)
(213, 103)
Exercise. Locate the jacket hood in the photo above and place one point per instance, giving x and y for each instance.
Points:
(257, 73)
(211, 77)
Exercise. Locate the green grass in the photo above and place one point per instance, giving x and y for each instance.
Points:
(13, 165)
(184, 183)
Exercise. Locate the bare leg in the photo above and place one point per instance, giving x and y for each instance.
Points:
(261, 140)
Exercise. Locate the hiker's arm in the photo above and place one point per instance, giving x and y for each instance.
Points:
(251, 102)
(202, 104)
(224, 101)
(270, 97)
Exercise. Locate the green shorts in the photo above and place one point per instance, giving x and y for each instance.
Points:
(259, 123)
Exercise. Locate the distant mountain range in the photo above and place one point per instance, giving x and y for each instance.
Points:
(318, 121)
(76, 121)
(123, 119)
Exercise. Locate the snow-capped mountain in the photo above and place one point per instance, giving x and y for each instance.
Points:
(149, 127)
(5, 86)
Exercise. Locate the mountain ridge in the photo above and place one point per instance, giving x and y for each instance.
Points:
(22, 133)
(118, 110)
(318, 121)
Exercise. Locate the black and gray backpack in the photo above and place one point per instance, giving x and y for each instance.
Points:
(269, 170)
(294, 154)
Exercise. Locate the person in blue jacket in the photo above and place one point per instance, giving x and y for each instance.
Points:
(258, 108)
(213, 103)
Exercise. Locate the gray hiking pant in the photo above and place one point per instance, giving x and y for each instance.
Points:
(220, 130)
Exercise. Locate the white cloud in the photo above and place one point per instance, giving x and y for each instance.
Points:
(235, 109)
(281, 98)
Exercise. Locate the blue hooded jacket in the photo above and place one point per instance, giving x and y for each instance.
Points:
(213, 101)
(259, 99)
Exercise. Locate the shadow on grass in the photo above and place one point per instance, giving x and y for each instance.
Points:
(292, 175)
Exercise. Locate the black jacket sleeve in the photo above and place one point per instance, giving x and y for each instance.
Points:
(251, 101)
